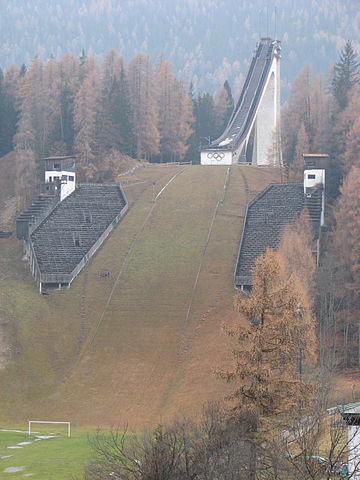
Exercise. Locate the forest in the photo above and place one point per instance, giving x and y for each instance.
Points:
(98, 112)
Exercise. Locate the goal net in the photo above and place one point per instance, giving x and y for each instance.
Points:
(48, 428)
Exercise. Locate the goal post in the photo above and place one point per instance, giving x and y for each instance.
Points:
(49, 422)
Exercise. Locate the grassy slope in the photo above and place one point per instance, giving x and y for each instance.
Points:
(143, 363)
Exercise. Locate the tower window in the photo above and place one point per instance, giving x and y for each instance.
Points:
(311, 176)
(71, 178)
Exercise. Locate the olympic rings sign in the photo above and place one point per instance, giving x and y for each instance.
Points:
(216, 155)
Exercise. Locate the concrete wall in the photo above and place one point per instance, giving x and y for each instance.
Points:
(67, 185)
(268, 115)
(265, 125)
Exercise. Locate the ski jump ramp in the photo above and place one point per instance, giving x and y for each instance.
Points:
(254, 126)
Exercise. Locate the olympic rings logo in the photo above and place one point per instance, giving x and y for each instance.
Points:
(216, 155)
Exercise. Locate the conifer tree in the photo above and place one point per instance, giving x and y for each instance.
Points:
(115, 122)
(29, 138)
(224, 105)
(144, 106)
(295, 112)
(346, 74)
(87, 106)
(11, 113)
(69, 72)
(192, 153)
(296, 168)
(205, 118)
(347, 234)
(275, 342)
(175, 115)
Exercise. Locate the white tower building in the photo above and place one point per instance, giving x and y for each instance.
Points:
(60, 172)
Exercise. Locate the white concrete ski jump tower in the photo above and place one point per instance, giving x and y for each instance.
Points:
(253, 130)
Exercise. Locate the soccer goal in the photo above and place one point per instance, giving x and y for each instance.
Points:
(31, 422)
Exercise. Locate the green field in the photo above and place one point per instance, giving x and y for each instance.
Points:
(59, 458)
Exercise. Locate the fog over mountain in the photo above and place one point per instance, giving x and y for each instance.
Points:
(208, 41)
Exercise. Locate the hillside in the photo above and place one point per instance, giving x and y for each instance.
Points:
(141, 342)
(207, 42)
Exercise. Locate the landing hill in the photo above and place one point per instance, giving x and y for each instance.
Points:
(138, 335)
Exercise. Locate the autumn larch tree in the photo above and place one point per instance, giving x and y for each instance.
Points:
(276, 343)
(175, 115)
(28, 141)
(166, 106)
(295, 112)
(144, 106)
(87, 107)
(296, 168)
(347, 234)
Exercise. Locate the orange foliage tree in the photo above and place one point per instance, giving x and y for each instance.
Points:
(346, 239)
(275, 341)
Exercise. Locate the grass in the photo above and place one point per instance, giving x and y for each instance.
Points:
(145, 362)
(59, 458)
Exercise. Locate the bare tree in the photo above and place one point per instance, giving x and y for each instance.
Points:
(209, 448)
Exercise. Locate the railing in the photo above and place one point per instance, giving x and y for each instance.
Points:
(247, 81)
(256, 99)
(253, 87)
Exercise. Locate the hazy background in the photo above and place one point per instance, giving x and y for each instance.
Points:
(207, 41)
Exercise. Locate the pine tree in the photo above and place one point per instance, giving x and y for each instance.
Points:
(122, 115)
(346, 74)
(69, 72)
(109, 73)
(224, 105)
(193, 143)
(205, 119)
(10, 112)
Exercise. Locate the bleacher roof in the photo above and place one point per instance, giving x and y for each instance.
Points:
(63, 239)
